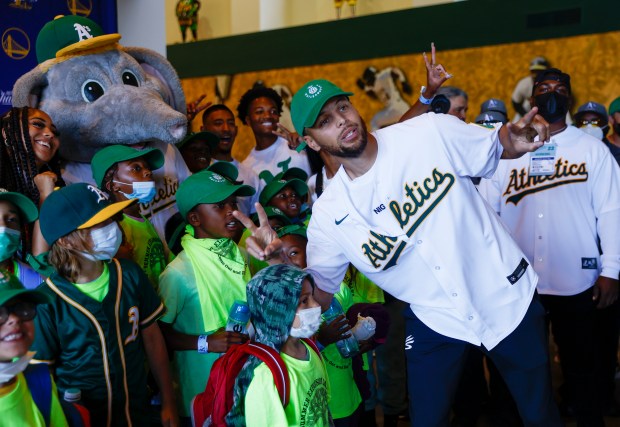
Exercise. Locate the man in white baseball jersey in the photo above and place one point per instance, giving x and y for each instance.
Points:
(403, 210)
(562, 205)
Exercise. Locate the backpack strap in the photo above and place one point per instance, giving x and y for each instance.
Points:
(313, 346)
(40, 385)
(274, 362)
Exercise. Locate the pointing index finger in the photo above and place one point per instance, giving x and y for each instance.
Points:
(243, 219)
(433, 53)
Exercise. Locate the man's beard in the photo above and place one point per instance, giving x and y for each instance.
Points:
(352, 151)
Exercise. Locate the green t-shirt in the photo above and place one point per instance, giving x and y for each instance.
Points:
(177, 287)
(308, 404)
(340, 370)
(19, 410)
(148, 250)
(98, 288)
(362, 289)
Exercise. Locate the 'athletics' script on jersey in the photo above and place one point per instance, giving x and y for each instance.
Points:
(419, 201)
(521, 184)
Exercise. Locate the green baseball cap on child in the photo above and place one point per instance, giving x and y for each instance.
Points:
(309, 100)
(226, 169)
(71, 35)
(296, 229)
(112, 154)
(11, 287)
(24, 204)
(207, 187)
(75, 207)
(271, 213)
(275, 186)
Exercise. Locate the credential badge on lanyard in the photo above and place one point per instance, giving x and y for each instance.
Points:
(542, 161)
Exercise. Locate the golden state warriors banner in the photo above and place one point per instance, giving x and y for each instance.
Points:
(20, 22)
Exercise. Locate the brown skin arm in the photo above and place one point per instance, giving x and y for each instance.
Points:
(518, 138)
(219, 341)
(155, 348)
(436, 75)
(605, 291)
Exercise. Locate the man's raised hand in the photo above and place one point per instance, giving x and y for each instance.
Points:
(264, 243)
(522, 134)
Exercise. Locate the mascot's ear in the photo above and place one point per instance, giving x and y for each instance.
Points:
(27, 89)
(161, 72)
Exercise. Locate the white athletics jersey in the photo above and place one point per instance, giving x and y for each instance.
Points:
(167, 180)
(556, 218)
(248, 177)
(277, 158)
(415, 225)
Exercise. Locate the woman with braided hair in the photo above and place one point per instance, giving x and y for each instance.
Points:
(28, 162)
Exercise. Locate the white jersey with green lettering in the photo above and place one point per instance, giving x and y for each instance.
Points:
(415, 225)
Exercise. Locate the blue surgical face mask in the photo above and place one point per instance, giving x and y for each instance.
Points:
(9, 242)
(143, 191)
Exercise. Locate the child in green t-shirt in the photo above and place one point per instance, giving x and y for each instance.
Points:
(17, 311)
(201, 284)
(283, 310)
(345, 400)
(125, 173)
(100, 327)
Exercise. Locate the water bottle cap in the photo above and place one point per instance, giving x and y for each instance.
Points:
(73, 394)
(240, 311)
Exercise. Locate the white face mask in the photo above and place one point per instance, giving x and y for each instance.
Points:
(106, 241)
(310, 320)
(594, 131)
(9, 370)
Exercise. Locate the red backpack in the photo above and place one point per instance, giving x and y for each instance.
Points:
(217, 399)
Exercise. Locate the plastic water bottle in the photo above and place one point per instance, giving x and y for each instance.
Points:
(73, 395)
(364, 328)
(238, 318)
(347, 347)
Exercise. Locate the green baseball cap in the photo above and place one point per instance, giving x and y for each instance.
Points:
(291, 173)
(11, 287)
(226, 169)
(75, 207)
(309, 100)
(71, 35)
(272, 213)
(275, 186)
(112, 154)
(211, 139)
(207, 187)
(26, 206)
(295, 229)
(614, 107)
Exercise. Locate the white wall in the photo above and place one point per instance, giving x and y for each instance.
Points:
(142, 23)
(221, 18)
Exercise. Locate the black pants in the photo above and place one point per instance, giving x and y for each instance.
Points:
(573, 324)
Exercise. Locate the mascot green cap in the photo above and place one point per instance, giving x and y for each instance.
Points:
(71, 35)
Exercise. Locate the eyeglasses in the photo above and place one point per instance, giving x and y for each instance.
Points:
(24, 310)
(593, 122)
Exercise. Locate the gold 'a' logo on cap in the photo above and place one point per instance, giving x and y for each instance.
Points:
(15, 43)
(80, 7)
(313, 91)
(100, 194)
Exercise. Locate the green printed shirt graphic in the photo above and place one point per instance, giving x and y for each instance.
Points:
(148, 250)
(308, 404)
